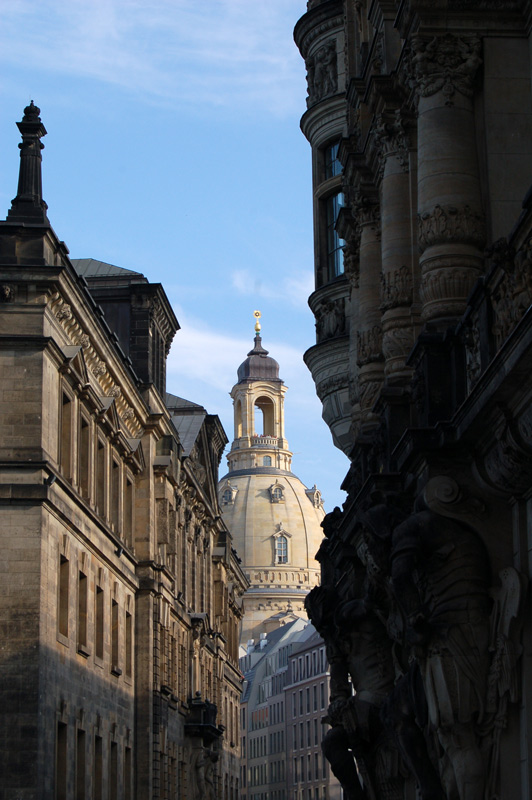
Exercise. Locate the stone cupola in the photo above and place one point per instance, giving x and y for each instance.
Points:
(258, 399)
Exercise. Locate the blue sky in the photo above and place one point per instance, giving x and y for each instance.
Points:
(174, 149)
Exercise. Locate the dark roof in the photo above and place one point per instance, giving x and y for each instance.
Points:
(91, 268)
(258, 365)
(175, 403)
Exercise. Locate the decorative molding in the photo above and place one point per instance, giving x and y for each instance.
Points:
(396, 345)
(369, 345)
(445, 63)
(444, 289)
(451, 224)
(333, 384)
(512, 295)
(391, 138)
(396, 288)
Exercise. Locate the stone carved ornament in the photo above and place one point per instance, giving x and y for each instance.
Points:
(391, 138)
(451, 224)
(445, 63)
(512, 296)
(396, 288)
(369, 345)
(430, 644)
(322, 72)
(330, 319)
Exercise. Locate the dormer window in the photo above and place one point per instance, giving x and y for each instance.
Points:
(228, 494)
(277, 493)
(281, 543)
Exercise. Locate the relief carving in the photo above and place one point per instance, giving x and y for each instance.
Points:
(369, 345)
(397, 344)
(330, 319)
(322, 72)
(508, 465)
(512, 295)
(333, 384)
(451, 224)
(445, 63)
(444, 289)
(396, 288)
(392, 139)
(472, 356)
(352, 261)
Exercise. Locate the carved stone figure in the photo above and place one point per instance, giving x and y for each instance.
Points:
(322, 72)
(440, 577)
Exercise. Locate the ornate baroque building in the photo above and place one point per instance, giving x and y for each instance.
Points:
(121, 592)
(419, 117)
(274, 519)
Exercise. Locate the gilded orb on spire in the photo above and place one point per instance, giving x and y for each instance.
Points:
(257, 316)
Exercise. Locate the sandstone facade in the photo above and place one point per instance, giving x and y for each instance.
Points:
(419, 118)
(122, 595)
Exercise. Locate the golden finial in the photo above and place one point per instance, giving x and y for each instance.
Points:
(257, 316)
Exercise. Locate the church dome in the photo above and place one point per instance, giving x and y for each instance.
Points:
(274, 520)
(258, 365)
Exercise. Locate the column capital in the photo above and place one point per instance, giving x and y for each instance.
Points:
(445, 63)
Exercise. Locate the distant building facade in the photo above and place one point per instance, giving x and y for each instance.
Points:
(275, 521)
(284, 702)
(419, 118)
(121, 593)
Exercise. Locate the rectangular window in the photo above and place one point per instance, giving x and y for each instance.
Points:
(308, 699)
(322, 695)
(63, 599)
(84, 463)
(65, 456)
(98, 769)
(335, 245)
(128, 513)
(332, 164)
(129, 646)
(315, 731)
(114, 512)
(128, 775)
(301, 701)
(98, 622)
(83, 595)
(80, 765)
(315, 697)
(61, 762)
(100, 478)
(114, 638)
(113, 772)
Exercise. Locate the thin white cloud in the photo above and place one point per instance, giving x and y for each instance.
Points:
(224, 52)
(293, 289)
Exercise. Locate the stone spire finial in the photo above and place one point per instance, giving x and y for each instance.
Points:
(28, 206)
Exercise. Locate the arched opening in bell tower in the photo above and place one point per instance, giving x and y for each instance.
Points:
(264, 417)
(238, 419)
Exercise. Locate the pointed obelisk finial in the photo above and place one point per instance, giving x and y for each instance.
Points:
(28, 206)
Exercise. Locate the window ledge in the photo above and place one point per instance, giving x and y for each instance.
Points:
(83, 650)
(116, 670)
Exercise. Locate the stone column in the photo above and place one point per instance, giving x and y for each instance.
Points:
(399, 256)
(351, 269)
(451, 222)
(369, 333)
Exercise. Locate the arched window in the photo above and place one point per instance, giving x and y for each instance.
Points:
(267, 461)
(227, 496)
(281, 550)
